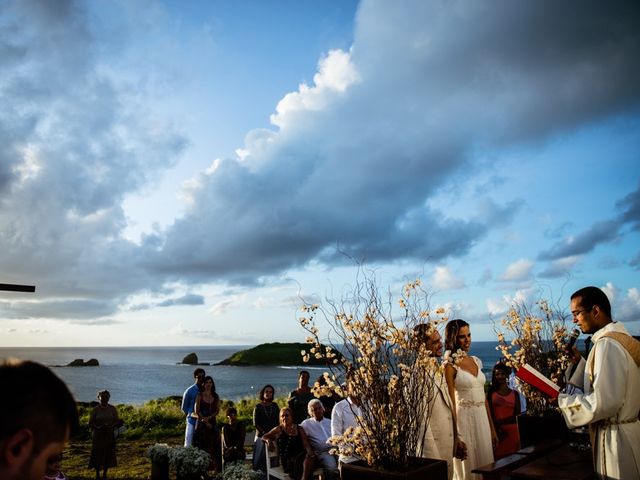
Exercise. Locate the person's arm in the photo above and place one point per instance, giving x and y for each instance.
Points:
(241, 436)
(305, 442)
(92, 420)
(257, 421)
(494, 435)
(186, 397)
(116, 418)
(271, 436)
(337, 423)
(608, 392)
(196, 409)
(450, 377)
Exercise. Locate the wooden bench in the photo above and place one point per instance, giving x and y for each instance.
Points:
(501, 469)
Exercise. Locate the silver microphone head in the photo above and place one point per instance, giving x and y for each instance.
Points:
(573, 336)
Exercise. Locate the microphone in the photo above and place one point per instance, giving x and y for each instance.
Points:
(573, 336)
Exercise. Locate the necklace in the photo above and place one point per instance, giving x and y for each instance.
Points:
(268, 410)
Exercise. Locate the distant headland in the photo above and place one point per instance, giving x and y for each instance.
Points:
(270, 354)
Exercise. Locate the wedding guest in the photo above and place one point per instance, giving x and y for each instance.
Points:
(504, 405)
(318, 430)
(37, 416)
(233, 434)
(441, 439)
(328, 401)
(296, 455)
(53, 471)
(188, 405)
(103, 421)
(265, 417)
(465, 382)
(610, 380)
(345, 415)
(207, 434)
(300, 397)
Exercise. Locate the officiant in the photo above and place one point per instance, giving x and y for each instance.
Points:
(610, 380)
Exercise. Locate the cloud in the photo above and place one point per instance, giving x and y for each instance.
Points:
(75, 141)
(560, 268)
(630, 205)
(600, 232)
(518, 271)
(189, 299)
(180, 330)
(357, 155)
(444, 279)
(349, 165)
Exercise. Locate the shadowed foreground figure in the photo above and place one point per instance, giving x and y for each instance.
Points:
(37, 416)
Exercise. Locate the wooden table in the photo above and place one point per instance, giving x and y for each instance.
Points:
(563, 463)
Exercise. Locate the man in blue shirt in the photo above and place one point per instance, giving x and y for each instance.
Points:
(189, 403)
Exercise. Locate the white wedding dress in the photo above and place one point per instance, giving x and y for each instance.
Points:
(473, 422)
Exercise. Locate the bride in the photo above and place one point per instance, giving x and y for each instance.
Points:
(465, 381)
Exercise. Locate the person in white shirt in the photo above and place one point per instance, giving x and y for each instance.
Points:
(610, 380)
(343, 416)
(318, 430)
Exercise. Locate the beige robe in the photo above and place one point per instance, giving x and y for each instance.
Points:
(438, 440)
(609, 405)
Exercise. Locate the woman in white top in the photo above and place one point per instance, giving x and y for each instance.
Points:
(465, 382)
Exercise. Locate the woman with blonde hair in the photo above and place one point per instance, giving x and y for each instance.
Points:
(293, 446)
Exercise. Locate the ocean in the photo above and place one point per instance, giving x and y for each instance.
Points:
(134, 375)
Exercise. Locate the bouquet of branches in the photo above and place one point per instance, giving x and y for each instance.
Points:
(372, 337)
(535, 337)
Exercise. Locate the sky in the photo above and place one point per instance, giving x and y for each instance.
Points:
(188, 172)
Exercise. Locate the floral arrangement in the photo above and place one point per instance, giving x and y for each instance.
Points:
(189, 461)
(239, 471)
(537, 340)
(390, 371)
(158, 453)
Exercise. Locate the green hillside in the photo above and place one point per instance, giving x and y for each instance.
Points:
(271, 354)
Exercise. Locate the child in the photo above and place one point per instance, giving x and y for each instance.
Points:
(504, 405)
(53, 469)
(233, 434)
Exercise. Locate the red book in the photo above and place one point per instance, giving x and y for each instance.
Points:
(533, 377)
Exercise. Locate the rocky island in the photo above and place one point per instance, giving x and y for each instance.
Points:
(272, 354)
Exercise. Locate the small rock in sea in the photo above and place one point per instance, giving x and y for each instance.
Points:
(79, 362)
(191, 359)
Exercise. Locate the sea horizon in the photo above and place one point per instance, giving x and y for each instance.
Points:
(135, 375)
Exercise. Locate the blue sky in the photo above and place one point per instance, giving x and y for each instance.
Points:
(183, 173)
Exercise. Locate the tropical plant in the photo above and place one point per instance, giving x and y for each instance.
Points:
(534, 336)
(390, 370)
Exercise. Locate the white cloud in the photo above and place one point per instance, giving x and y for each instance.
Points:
(444, 279)
(335, 74)
(518, 271)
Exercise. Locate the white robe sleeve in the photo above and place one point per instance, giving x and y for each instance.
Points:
(607, 393)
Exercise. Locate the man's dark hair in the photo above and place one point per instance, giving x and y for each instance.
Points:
(590, 296)
(35, 398)
(198, 371)
(303, 372)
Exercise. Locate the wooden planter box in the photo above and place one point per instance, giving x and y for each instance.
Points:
(418, 469)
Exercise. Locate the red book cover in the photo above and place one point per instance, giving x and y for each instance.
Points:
(533, 377)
